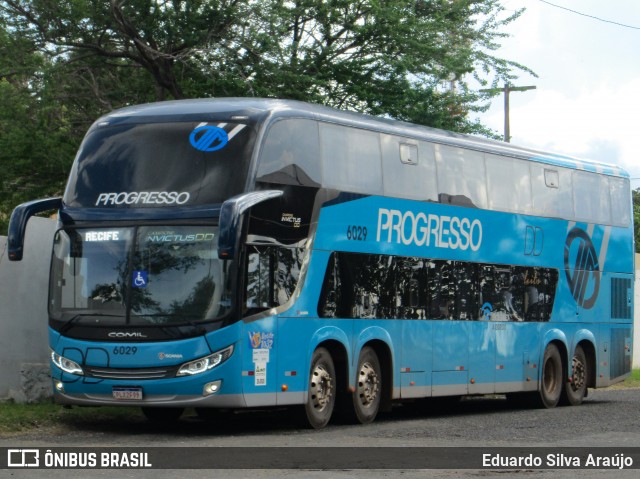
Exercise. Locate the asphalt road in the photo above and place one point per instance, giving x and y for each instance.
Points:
(608, 418)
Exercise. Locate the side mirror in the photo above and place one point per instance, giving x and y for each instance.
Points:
(18, 223)
(231, 214)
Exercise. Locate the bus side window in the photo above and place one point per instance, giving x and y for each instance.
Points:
(619, 191)
(591, 197)
(351, 159)
(272, 276)
(258, 272)
(494, 294)
(290, 154)
(365, 285)
(412, 285)
(466, 291)
(538, 292)
(441, 290)
(331, 294)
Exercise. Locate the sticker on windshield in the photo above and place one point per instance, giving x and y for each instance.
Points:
(208, 138)
(140, 279)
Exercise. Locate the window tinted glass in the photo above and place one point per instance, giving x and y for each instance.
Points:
(89, 272)
(620, 198)
(591, 197)
(351, 159)
(271, 277)
(389, 287)
(161, 275)
(160, 164)
(177, 276)
(509, 184)
(415, 180)
(291, 154)
(461, 173)
(553, 199)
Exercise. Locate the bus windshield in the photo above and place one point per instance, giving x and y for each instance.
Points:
(139, 276)
(146, 165)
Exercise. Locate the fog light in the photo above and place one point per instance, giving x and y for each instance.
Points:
(59, 386)
(211, 388)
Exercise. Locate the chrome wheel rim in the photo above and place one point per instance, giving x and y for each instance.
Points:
(368, 385)
(321, 388)
(578, 376)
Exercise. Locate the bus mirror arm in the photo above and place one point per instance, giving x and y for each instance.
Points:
(230, 219)
(18, 223)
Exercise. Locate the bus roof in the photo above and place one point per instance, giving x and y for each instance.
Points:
(262, 109)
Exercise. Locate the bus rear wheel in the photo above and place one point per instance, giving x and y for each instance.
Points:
(551, 382)
(576, 389)
(321, 392)
(366, 399)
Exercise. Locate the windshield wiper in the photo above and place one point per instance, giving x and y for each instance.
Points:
(69, 323)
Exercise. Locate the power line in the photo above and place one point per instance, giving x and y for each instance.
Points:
(589, 16)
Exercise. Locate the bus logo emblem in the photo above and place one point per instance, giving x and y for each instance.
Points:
(583, 275)
(208, 138)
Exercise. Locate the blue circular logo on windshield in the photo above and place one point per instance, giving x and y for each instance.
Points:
(208, 138)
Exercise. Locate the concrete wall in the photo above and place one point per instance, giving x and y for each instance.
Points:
(24, 361)
(636, 317)
(24, 344)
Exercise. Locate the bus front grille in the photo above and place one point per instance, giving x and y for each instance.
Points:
(137, 374)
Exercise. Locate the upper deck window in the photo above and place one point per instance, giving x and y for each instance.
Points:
(351, 159)
(290, 154)
(160, 164)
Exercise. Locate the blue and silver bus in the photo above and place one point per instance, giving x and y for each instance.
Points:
(247, 253)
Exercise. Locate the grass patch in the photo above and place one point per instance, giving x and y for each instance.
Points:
(31, 418)
(633, 381)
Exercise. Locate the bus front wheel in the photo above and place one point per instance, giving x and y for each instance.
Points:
(366, 399)
(551, 382)
(576, 389)
(321, 390)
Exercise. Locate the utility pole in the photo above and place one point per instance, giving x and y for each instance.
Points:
(506, 90)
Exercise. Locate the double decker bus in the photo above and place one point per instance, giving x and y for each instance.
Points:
(247, 253)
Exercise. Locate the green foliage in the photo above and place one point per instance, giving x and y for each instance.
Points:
(63, 63)
(33, 418)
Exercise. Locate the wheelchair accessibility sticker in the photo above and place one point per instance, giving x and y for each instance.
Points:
(140, 279)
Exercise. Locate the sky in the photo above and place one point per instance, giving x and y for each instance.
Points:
(587, 97)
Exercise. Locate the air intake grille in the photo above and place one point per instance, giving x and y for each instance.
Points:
(137, 374)
(620, 300)
(620, 359)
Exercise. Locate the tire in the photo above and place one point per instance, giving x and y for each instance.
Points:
(552, 377)
(162, 414)
(321, 395)
(366, 399)
(575, 390)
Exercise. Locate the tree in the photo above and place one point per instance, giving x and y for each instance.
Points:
(158, 36)
(35, 142)
(388, 58)
(63, 63)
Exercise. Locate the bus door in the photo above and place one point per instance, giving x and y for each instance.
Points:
(259, 328)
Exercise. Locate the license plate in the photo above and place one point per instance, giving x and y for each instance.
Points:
(127, 393)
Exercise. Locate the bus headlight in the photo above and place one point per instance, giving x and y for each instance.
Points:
(204, 364)
(65, 364)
